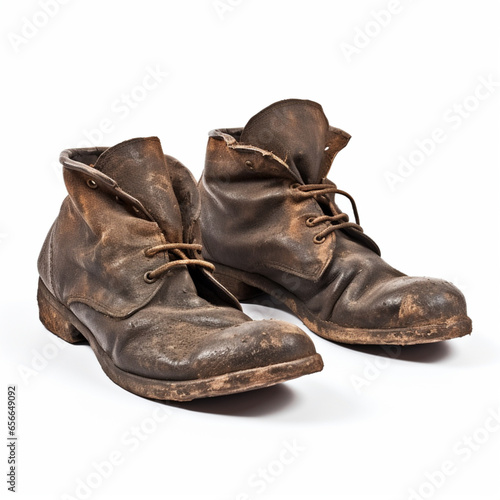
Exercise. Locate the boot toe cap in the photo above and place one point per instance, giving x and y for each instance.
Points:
(251, 344)
(412, 302)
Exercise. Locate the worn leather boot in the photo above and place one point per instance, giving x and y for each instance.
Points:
(122, 269)
(270, 222)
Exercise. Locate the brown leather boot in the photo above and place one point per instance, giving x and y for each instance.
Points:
(121, 268)
(270, 222)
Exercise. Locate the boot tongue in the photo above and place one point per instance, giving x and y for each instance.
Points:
(294, 130)
(140, 169)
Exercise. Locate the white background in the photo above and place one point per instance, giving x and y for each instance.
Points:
(371, 425)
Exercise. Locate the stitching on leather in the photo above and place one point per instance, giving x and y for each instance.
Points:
(276, 265)
(263, 152)
(114, 314)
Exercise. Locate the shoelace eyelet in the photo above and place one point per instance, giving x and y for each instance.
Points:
(148, 279)
(91, 183)
(295, 185)
(182, 259)
(310, 221)
(339, 220)
(319, 240)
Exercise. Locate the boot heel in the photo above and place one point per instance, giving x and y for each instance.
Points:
(240, 290)
(52, 317)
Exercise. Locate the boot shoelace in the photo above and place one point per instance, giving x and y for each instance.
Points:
(338, 220)
(177, 250)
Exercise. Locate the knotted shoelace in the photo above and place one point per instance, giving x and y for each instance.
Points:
(177, 250)
(338, 220)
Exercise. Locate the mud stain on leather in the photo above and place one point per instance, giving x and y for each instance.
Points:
(410, 307)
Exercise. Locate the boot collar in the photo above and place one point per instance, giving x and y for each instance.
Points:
(336, 141)
(96, 178)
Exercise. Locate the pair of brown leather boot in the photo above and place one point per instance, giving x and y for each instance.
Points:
(123, 266)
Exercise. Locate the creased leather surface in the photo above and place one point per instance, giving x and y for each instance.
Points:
(97, 251)
(253, 220)
(245, 204)
(183, 326)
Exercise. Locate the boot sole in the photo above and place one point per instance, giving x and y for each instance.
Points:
(246, 286)
(60, 321)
